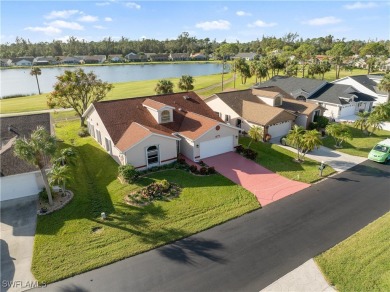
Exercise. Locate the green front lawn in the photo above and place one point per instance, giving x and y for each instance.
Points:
(361, 262)
(281, 161)
(360, 145)
(65, 243)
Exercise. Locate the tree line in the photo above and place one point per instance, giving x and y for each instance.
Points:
(184, 43)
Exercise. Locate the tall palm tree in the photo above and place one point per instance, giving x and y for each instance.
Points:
(59, 175)
(339, 132)
(164, 86)
(361, 122)
(310, 141)
(37, 151)
(375, 122)
(295, 137)
(385, 85)
(35, 71)
(382, 111)
(255, 133)
(186, 83)
(65, 156)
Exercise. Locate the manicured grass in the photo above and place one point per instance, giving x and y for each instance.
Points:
(65, 244)
(281, 161)
(121, 90)
(360, 145)
(361, 262)
(144, 88)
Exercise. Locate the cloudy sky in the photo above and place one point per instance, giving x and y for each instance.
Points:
(221, 20)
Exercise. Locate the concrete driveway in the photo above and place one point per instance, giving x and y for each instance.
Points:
(267, 186)
(18, 223)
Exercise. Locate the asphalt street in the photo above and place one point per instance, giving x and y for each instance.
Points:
(251, 252)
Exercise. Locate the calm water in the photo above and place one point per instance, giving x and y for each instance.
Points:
(19, 81)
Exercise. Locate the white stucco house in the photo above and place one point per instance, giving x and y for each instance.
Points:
(154, 130)
(268, 107)
(367, 84)
(18, 178)
(340, 100)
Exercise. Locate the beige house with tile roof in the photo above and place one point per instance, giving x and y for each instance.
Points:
(154, 130)
(269, 107)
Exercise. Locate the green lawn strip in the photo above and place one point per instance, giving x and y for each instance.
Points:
(360, 145)
(281, 161)
(361, 262)
(120, 91)
(65, 244)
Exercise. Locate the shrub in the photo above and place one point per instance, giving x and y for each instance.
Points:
(203, 170)
(321, 121)
(211, 170)
(160, 190)
(83, 132)
(250, 154)
(43, 195)
(165, 184)
(128, 172)
(239, 149)
(181, 160)
(193, 168)
(201, 163)
(312, 126)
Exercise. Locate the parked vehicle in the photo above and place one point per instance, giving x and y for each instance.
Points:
(381, 152)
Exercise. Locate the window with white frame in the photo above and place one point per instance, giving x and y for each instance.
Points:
(99, 137)
(165, 116)
(227, 118)
(108, 145)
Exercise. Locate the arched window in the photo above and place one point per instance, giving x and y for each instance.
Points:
(301, 98)
(165, 116)
(152, 155)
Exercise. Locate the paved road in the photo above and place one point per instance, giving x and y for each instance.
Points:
(251, 252)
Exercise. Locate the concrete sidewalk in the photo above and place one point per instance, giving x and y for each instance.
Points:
(306, 277)
(337, 160)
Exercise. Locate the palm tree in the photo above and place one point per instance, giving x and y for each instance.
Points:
(36, 71)
(385, 85)
(375, 122)
(37, 151)
(310, 141)
(382, 111)
(66, 156)
(361, 122)
(59, 175)
(164, 86)
(294, 138)
(255, 133)
(339, 132)
(186, 83)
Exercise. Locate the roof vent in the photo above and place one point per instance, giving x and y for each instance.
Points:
(180, 109)
(186, 97)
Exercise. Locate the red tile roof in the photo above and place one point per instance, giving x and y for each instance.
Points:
(190, 115)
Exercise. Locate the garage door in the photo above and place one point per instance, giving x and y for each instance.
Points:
(279, 130)
(215, 147)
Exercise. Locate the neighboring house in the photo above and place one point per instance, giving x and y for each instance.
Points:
(115, 58)
(246, 56)
(179, 57)
(5, 62)
(96, 59)
(340, 101)
(42, 61)
(268, 107)
(22, 61)
(159, 57)
(367, 84)
(385, 65)
(132, 57)
(199, 57)
(19, 178)
(318, 59)
(154, 130)
(71, 60)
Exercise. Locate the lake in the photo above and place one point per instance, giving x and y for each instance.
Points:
(19, 81)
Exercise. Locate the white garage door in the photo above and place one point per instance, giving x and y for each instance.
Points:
(347, 111)
(279, 130)
(215, 147)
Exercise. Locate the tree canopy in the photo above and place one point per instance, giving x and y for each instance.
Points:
(77, 90)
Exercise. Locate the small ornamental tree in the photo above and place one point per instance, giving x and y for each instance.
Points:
(77, 90)
(255, 133)
(164, 87)
(339, 132)
(186, 83)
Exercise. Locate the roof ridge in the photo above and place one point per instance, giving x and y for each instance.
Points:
(145, 97)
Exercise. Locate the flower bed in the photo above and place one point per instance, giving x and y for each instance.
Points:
(59, 201)
(161, 190)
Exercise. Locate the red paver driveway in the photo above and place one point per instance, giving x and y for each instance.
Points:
(267, 186)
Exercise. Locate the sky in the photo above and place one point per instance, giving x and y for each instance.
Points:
(232, 21)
